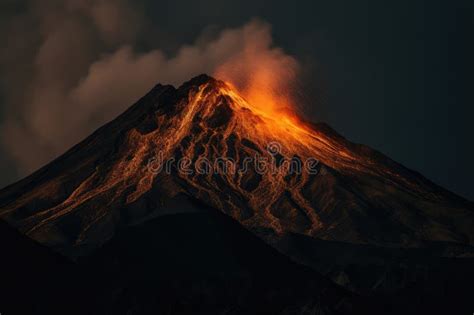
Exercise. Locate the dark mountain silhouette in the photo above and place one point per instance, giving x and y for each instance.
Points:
(189, 263)
(36, 280)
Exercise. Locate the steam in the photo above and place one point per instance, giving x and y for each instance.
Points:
(83, 70)
(263, 74)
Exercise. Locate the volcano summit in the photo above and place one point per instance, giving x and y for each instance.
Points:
(340, 209)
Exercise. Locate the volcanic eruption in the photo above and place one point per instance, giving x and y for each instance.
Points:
(353, 211)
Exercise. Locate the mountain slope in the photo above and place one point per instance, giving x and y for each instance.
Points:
(342, 192)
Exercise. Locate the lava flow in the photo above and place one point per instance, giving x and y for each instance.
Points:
(277, 109)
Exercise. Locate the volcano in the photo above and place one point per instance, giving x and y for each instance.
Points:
(342, 215)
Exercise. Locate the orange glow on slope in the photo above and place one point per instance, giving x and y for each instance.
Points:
(265, 77)
(278, 109)
(259, 95)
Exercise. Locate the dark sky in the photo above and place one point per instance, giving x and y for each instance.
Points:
(395, 75)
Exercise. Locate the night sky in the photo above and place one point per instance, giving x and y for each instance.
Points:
(395, 75)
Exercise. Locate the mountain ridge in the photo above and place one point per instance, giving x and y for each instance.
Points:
(357, 196)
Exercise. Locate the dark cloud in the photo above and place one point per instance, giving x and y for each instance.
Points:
(49, 48)
(85, 71)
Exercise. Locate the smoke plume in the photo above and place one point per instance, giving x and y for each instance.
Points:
(71, 66)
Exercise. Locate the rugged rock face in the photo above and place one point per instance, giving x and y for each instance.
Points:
(313, 191)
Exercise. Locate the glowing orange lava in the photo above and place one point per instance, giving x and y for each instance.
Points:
(266, 80)
(277, 108)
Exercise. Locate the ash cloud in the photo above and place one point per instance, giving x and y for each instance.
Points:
(71, 66)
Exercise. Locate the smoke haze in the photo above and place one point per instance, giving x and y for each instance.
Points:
(85, 70)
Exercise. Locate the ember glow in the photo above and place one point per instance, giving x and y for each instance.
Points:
(264, 76)
(277, 111)
(270, 100)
